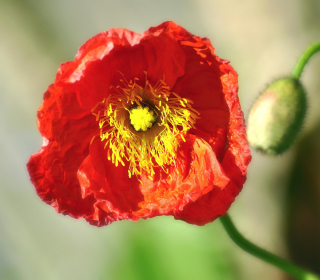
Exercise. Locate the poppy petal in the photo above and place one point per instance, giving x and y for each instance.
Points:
(119, 197)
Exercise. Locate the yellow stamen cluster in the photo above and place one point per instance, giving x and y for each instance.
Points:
(144, 145)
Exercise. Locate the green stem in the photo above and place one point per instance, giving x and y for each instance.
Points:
(264, 255)
(304, 58)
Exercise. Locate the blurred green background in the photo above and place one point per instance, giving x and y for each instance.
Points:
(279, 205)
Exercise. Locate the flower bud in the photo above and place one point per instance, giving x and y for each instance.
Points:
(277, 116)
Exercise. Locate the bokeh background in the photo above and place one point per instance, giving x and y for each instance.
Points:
(278, 208)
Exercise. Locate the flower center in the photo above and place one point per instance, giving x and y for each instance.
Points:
(144, 126)
(142, 118)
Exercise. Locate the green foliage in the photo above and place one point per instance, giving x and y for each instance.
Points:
(167, 249)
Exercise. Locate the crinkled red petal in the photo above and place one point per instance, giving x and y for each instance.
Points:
(201, 83)
(234, 162)
(109, 57)
(197, 172)
(53, 171)
(67, 131)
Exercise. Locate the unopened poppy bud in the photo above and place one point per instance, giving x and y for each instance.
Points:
(277, 116)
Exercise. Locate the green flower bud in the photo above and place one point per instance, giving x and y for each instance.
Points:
(277, 116)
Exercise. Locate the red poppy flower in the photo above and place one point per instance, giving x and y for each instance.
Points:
(139, 126)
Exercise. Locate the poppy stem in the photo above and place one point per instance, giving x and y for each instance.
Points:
(304, 58)
(264, 255)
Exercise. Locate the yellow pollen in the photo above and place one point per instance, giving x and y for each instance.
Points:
(144, 126)
(142, 118)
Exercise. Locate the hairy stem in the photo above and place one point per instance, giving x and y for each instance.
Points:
(264, 255)
(304, 58)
